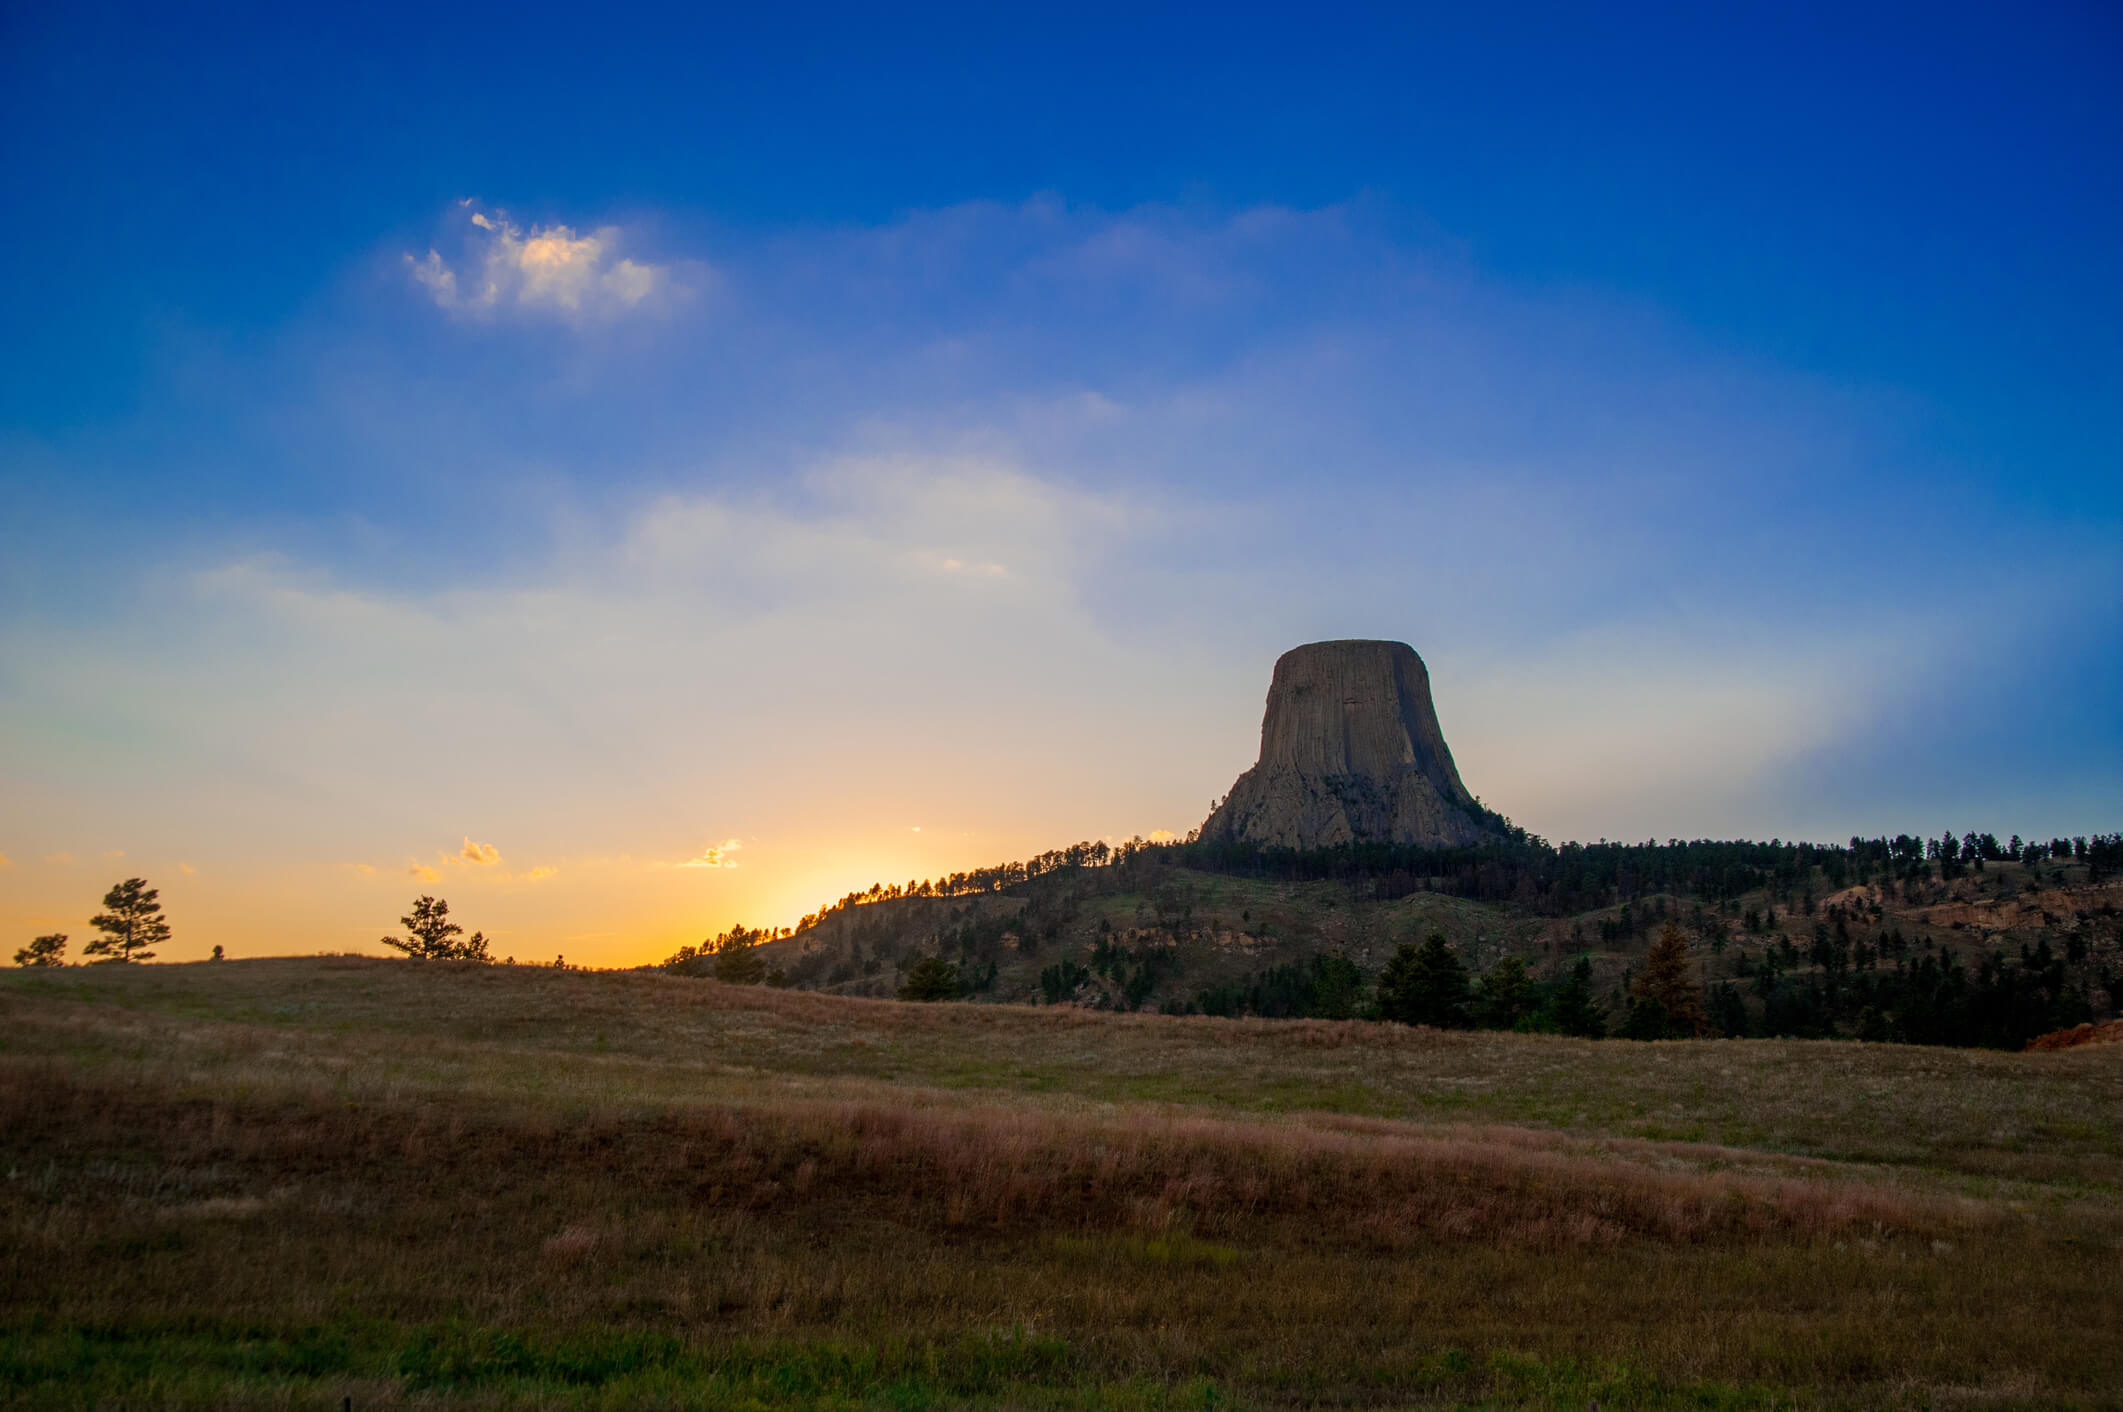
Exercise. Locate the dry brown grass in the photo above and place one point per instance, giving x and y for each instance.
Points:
(378, 1161)
(1975, 1116)
(1378, 1185)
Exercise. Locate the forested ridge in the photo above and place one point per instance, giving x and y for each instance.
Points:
(1961, 939)
(1544, 879)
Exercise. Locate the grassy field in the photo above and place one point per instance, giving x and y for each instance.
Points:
(293, 1183)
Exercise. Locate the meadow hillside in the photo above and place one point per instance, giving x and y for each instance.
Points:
(288, 1183)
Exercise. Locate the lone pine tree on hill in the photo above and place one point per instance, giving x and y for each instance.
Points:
(131, 922)
(44, 951)
(431, 935)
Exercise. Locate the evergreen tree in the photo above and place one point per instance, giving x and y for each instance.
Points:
(1333, 987)
(1505, 995)
(1425, 985)
(930, 978)
(1061, 981)
(1647, 1019)
(430, 935)
(736, 963)
(1572, 1010)
(1668, 982)
(1728, 1012)
(43, 951)
(131, 922)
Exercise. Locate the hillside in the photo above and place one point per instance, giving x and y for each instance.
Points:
(1788, 939)
(284, 1183)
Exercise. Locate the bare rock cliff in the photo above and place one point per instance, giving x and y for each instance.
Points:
(1350, 752)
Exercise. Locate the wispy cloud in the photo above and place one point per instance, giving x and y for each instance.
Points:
(541, 873)
(716, 855)
(423, 872)
(552, 269)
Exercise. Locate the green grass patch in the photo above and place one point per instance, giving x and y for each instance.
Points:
(203, 1363)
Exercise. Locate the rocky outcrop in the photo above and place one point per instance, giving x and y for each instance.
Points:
(1350, 752)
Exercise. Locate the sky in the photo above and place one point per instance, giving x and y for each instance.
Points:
(630, 472)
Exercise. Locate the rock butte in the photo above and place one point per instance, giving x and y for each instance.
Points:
(1350, 753)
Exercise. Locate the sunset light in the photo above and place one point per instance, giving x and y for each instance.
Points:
(1029, 706)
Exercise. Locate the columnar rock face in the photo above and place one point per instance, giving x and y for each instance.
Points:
(1350, 752)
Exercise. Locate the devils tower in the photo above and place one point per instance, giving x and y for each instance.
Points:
(1350, 753)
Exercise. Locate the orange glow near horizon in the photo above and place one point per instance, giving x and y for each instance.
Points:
(607, 912)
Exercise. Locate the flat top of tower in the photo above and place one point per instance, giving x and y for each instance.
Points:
(1348, 645)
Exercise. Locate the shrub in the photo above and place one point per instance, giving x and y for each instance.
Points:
(930, 978)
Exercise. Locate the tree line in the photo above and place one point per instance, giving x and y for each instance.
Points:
(1538, 877)
(998, 878)
(1424, 984)
(1545, 879)
(1887, 990)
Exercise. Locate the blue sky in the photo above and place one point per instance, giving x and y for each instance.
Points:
(601, 436)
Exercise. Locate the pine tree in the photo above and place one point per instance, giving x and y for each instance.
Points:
(1425, 985)
(131, 922)
(1504, 996)
(1334, 987)
(736, 963)
(43, 951)
(1729, 1011)
(930, 978)
(1668, 982)
(1572, 1010)
(430, 935)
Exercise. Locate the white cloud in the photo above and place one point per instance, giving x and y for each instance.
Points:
(551, 269)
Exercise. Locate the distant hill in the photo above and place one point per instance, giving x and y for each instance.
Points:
(1883, 938)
